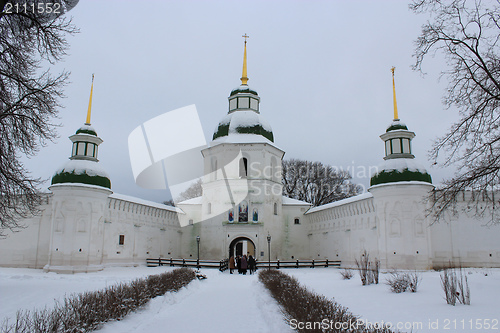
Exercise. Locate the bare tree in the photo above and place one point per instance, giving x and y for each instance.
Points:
(467, 33)
(193, 191)
(316, 183)
(32, 38)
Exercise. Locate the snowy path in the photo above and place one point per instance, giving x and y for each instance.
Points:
(221, 303)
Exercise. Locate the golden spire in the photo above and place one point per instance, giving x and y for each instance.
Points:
(244, 78)
(394, 95)
(90, 102)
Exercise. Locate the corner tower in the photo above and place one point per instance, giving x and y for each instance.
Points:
(80, 191)
(399, 189)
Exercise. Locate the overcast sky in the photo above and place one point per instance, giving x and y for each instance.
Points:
(321, 68)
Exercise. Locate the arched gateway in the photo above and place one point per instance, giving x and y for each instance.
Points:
(240, 246)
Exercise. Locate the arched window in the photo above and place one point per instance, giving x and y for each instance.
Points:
(255, 215)
(243, 212)
(243, 167)
(296, 220)
(275, 208)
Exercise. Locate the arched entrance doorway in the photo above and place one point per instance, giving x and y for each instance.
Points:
(240, 246)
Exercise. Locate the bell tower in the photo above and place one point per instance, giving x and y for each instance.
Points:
(242, 191)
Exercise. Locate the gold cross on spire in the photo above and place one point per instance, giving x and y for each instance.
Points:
(245, 36)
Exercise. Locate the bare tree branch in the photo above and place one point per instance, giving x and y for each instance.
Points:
(29, 98)
(466, 32)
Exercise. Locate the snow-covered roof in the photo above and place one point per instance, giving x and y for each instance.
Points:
(411, 182)
(192, 201)
(82, 171)
(400, 165)
(346, 201)
(86, 129)
(243, 88)
(241, 138)
(243, 122)
(397, 125)
(145, 202)
(290, 201)
(79, 167)
(97, 187)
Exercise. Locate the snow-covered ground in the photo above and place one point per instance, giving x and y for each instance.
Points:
(423, 311)
(236, 303)
(221, 303)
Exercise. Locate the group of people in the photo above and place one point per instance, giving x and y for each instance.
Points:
(243, 263)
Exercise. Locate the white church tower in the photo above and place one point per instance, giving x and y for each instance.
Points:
(242, 199)
(80, 191)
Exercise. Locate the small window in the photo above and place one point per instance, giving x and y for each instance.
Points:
(406, 146)
(191, 222)
(209, 208)
(243, 167)
(121, 240)
(243, 103)
(81, 148)
(275, 208)
(296, 220)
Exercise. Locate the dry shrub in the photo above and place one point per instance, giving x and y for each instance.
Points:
(87, 311)
(369, 271)
(455, 287)
(347, 274)
(302, 305)
(400, 282)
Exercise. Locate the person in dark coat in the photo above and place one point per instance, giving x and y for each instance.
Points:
(231, 264)
(238, 264)
(251, 264)
(244, 265)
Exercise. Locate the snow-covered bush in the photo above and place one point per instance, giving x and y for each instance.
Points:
(346, 274)
(86, 312)
(368, 271)
(402, 281)
(301, 305)
(455, 288)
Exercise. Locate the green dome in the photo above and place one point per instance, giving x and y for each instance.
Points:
(83, 172)
(400, 170)
(86, 129)
(243, 89)
(396, 125)
(244, 122)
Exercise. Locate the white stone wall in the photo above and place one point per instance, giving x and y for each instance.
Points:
(341, 231)
(464, 238)
(29, 247)
(393, 226)
(148, 230)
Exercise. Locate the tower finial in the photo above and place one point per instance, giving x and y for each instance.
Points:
(394, 95)
(90, 102)
(244, 78)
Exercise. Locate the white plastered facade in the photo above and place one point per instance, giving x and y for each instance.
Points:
(84, 227)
